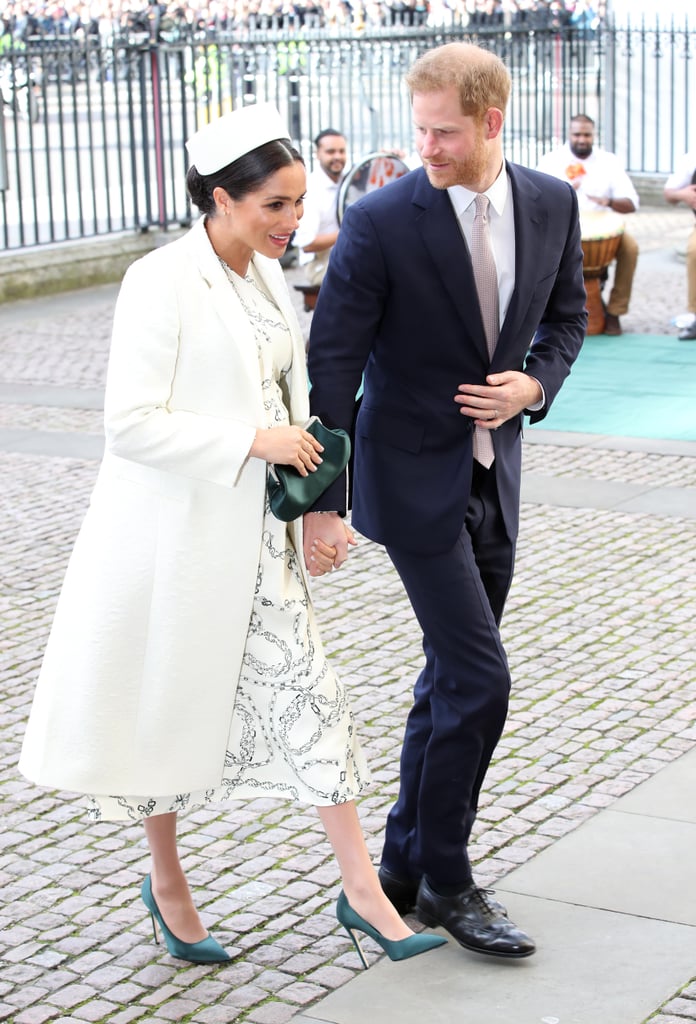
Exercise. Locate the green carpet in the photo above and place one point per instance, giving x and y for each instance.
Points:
(637, 385)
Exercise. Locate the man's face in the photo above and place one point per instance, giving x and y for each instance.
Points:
(331, 154)
(451, 145)
(581, 139)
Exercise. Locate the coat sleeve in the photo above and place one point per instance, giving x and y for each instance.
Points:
(561, 331)
(143, 422)
(344, 326)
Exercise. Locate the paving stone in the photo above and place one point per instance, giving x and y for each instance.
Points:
(271, 1013)
(220, 1014)
(680, 1007)
(96, 1010)
(37, 1015)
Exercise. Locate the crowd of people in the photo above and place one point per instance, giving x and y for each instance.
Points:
(24, 19)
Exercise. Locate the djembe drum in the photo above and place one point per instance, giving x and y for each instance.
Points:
(373, 171)
(601, 233)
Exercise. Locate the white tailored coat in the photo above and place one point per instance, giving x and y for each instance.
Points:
(138, 681)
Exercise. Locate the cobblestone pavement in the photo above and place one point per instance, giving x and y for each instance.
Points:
(599, 632)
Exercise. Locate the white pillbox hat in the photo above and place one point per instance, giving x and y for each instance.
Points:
(232, 135)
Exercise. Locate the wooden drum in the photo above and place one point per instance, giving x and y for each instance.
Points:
(601, 233)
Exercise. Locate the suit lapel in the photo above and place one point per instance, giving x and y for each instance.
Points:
(530, 232)
(443, 239)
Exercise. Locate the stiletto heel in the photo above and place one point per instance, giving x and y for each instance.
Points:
(396, 949)
(207, 951)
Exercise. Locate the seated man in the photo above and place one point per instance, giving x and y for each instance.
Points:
(680, 187)
(602, 184)
(318, 228)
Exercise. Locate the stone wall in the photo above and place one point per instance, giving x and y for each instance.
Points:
(65, 266)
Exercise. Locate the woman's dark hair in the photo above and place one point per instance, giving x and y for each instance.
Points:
(242, 176)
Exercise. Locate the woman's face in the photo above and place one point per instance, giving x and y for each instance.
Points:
(263, 221)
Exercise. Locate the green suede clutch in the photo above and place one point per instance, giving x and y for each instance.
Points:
(290, 494)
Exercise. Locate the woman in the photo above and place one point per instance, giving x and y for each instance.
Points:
(184, 665)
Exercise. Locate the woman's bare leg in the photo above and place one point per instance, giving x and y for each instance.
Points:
(360, 881)
(169, 885)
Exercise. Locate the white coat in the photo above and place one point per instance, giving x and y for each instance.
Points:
(138, 680)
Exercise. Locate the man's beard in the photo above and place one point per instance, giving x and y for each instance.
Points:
(469, 172)
(581, 152)
(334, 171)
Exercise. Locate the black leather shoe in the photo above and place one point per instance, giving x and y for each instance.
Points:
(473, 921)
(401, 892)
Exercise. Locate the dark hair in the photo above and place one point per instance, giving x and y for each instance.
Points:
(582, 117)
(244, 175)
(325, 134)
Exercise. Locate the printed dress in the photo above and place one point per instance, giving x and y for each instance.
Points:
(292, 733)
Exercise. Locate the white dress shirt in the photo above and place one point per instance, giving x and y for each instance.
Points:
(320, 212)
(501, 223)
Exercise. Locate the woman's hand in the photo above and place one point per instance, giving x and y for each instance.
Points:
(326, 541)
(321, 558)
(288, 446)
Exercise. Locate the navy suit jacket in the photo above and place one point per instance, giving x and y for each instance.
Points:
(399, 303)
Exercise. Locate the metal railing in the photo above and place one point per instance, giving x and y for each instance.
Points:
(92, 131)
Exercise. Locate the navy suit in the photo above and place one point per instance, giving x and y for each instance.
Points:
(399, 303)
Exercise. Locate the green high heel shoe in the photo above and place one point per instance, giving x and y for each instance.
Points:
(207, 951)
(396, 949)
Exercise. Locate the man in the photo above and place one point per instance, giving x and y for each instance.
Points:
(680, 187)
(400, 301)
(602, 185)
(318, 228)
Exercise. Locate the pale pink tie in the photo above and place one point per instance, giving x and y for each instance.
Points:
(486, 278)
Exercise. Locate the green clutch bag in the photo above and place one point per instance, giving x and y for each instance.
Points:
(290, 494)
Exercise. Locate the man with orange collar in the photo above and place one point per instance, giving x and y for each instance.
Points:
(602, 184)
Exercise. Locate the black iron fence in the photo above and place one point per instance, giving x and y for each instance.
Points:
(92, 130)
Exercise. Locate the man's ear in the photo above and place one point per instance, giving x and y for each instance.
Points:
(493, 121)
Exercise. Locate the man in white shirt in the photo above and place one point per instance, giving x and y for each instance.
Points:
(680, 187)
(318, 228)
(602, 184)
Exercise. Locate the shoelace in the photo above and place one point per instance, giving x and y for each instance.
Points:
(481, 897)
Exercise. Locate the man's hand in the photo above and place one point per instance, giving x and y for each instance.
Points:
(503, 396)
(326, 540)
(682, 195)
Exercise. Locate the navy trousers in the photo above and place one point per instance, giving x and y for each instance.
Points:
(460, 697)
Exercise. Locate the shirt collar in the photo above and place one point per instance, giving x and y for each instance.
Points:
(462, 197)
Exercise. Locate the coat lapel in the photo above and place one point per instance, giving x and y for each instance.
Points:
(226, 302)
(229, 308)
(443, 239)
(531, 222)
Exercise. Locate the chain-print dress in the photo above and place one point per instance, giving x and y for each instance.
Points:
(292, 733)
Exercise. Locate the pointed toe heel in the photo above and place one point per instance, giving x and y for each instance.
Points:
(207, 951)
(396, 949)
